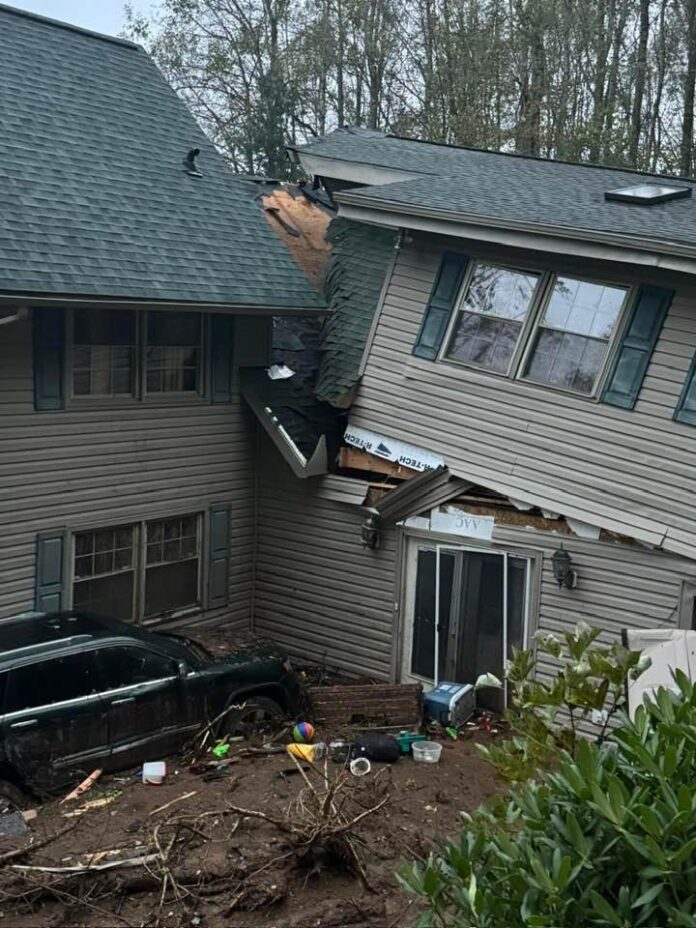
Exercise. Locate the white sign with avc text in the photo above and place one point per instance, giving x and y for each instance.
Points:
(457, 522)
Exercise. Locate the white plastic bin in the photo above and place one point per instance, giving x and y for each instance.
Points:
(426, 752)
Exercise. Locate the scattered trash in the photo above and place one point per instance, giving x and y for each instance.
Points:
(406, 738)
(172, 802)
(339, 751)
(377, 746)
(426, 752)
(221, 749)
(360, 766)
(154, 772)
(12, 823)
(84, 786)
(307, 752)
(452, 732)
(29, 815)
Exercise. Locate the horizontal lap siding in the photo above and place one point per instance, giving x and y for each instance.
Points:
(318, 591)
(634, 467)
(108, 466)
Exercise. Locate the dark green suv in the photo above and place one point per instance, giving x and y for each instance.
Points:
(79, 692)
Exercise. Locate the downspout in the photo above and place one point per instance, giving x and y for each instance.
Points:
(255, 543)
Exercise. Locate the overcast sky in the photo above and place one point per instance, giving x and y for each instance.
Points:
(101, 15)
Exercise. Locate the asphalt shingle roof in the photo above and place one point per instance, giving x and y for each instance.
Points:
(94, 198)
(492, 185)
(359, 261)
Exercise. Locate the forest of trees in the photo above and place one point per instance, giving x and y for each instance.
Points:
(612, 81)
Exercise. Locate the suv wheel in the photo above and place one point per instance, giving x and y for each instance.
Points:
(257, 714)
(11, 798)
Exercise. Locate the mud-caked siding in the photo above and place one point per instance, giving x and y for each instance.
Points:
(318, 591)
(114, 464)
(632, 467)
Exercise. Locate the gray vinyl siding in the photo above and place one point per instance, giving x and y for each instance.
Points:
(629, 471)
(111, 464)
(318, 592)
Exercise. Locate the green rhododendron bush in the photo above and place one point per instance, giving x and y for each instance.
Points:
(604, 833)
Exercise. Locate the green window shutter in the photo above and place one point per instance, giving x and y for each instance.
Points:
(50, 553)
(686, 407)
(637, 345)
(220, 357)
(440, 305)
(49, 352)
(219, 556)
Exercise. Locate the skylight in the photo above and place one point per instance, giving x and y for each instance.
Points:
(648, 193)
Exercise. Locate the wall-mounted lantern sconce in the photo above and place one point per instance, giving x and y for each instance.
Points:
(369, 531)
(563, 571)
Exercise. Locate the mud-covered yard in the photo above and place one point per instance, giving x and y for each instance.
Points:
(200, 862)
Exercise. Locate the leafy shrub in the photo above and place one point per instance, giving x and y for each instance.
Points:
(607, 838)
(548, 716)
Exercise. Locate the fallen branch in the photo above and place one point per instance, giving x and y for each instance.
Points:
(86, 868)
(172, 802)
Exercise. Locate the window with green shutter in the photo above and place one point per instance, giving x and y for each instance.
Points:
(637, 345)
(219, 556)
(686, 407)
(440, 305)
(50, 553)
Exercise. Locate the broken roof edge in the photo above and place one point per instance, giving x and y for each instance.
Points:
(301, 466)
(602, 246)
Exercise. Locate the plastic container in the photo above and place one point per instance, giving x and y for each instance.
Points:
(154, 772)
(426, 752)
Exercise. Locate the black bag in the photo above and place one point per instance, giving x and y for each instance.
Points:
(379, 747)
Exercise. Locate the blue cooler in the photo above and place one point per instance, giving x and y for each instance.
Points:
(450, 703)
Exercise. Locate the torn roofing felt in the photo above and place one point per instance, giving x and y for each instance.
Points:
(96, 198)
(356, 272)
(306, 431)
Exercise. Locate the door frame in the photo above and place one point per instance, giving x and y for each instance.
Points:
(408, 543)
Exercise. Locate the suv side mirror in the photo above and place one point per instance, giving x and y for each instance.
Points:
(182, 669)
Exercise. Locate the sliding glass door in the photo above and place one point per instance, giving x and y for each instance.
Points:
(481, 601)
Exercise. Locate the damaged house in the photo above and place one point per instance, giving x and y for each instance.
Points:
(517, 338)
(490, 433)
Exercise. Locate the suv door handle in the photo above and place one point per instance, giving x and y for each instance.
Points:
(27, 723)
(122, 702)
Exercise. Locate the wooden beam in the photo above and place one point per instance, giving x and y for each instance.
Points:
(356, 459)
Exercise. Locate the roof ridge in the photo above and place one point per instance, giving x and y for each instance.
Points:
(541, 158)
(70, 27)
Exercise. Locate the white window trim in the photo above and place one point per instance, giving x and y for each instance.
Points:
(531, 325)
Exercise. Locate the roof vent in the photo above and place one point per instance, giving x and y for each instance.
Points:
(648, 193)
(189, 163)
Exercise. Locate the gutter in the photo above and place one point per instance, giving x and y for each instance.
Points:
(116, 303)
(536, 237)
(566, 232)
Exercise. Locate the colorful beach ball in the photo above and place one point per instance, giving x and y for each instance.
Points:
(303, 732)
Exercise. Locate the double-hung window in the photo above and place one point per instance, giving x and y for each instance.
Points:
(121, 353)
(549, 329)
(144, 569)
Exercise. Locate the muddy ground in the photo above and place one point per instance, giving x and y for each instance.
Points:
(207, 865)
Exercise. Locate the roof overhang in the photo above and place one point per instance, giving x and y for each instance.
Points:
(603, 246)
(426, 491)
(365, 175)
